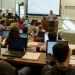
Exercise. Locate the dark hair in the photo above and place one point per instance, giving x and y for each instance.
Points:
(2, 22)
(14, 32)
(25, 30)
(52, 36)
(33, 22)
(3, 15)
(60, 51)
(26, 16)
(51, 29)
(21, 22)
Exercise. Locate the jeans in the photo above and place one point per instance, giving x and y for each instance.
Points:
(24, 71)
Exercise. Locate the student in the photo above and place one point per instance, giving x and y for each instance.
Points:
(41, 28)
(14, 24)
(61, 53)
(32, 27)
(14, 32)
(25, 30)
(3, 16)
(2, 26)
(7, 11)
(21, 25)
(52, 37)
(7, 69)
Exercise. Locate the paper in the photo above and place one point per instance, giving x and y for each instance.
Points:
(72, 60)
(31, 56)
(32, 43)
(71, 46)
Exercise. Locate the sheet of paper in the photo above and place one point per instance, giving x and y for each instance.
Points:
(72, 60)
(31, 56)
(32, 43)
(72, 46)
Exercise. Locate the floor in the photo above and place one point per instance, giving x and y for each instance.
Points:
(68, 35)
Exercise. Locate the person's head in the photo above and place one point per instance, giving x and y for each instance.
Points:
(51, 12)
(25, 30)
(6, 68)
(33, 22)
(16, 14)
(14, 32)
(3, 22)
(52, 36)
(7, 11)
(61, 52)
(11, 14)
(51, 29)
(27, 17)
(21, 22)
(40, 27)
(3, 15)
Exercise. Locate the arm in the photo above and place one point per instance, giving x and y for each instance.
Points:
(46, 70)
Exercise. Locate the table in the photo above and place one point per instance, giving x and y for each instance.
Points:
(40, 62)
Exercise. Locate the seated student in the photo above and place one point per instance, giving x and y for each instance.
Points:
(7, 69)
(52, 37)
(16, 17)
(3, 16)
(51, 29)
(32, 27)
(41, 28)
(2, 26)
(21, 25)
(14, 24)
(14, 32)
(61, 53)
(25, 30)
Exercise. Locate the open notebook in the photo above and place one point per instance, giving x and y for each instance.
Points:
(31, 56)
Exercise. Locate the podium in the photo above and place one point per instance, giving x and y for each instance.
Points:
(46, 24)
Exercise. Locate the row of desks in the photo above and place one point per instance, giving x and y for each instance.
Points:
(40, 62)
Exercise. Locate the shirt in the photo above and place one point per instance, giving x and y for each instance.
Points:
(52, 17)
(32, 29)
(56, 70)
(13, 25)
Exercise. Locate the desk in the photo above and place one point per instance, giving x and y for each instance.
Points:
(40, 62)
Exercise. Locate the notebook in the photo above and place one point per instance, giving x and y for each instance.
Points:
(5, 33)
(17, 47)
(31, 56)
(23, 35)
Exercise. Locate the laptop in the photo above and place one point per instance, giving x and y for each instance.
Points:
(23, 35)
(5, 33)
(45, 37)
(27, 25)
(17, 47)
(37, 27)
(20, 31)
(49, 46)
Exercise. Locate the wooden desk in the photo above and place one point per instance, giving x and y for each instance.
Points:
(40, 62)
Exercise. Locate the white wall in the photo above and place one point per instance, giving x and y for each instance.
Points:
(67, 10)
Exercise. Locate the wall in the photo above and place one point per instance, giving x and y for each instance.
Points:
(67, 10)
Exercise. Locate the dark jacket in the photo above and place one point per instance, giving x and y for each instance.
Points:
(55, 70)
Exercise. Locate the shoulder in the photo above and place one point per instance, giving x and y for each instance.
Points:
(46, 70)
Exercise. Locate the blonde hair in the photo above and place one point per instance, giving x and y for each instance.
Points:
(40, 27)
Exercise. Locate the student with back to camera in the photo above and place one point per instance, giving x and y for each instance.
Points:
(61, 53)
